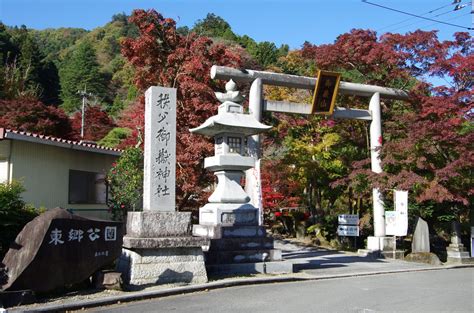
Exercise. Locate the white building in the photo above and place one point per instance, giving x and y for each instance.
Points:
(57, 172)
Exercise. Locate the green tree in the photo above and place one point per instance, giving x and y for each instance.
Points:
(25, 73)
(125, 179)
(115, 137)
(29, 57)
(14, 214)
(215, 27)
(6, 46)
(80, 71)
(54, 42)
(248, 43)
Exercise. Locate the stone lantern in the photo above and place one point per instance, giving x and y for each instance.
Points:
(229, 204)
(229, 220)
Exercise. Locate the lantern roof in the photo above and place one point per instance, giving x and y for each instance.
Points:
(230, 117)
(230, 122)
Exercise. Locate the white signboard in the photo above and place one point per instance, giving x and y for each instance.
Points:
(472, 242)
(348, 230)
(401, 207)
(348, 219)
(391, 223)
(395, 224)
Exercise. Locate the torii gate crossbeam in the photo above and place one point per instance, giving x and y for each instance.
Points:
(303, 82)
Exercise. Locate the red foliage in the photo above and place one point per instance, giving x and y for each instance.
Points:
(97, 124)
(432, 150)
(429, 147)
(163, 57)
(359, 50)
(278, 191)
(36, 117)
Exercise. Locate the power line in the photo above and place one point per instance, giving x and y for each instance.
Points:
(456, 17)
(421, 21)
(456, 8)
(418, 16)
(410, 18)
(430, 24)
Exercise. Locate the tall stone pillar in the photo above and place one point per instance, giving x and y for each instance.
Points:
(158, 246)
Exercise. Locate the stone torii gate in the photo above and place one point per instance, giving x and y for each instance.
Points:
(257, 104)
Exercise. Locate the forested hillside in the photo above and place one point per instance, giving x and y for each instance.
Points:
(309, 161)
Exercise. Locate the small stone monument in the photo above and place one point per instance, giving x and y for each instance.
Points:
(238, 243)
(58, 248)
(456, 251)
(158, 246)
(421, 237)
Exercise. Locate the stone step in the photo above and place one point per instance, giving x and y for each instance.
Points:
(243, 231)
(247, 243)
(217, 232)
(279, 267)
(242, 256)
(397, 254)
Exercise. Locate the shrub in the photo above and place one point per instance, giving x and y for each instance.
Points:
(14, 214)
(115, 137)
(125, 179)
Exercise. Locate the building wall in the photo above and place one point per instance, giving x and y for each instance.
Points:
(4, 160)
(44, 171)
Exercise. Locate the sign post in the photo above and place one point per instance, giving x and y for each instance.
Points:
(348, 226)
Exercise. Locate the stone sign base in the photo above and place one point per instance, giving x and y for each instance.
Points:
(379, 254)
(380, 243)
(163, 266)
(159, 249)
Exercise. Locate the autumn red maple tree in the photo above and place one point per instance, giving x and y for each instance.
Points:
(428, 140)
(278, 191)
(32, 115)
(431, 151)
(161, 56)
(97, 124)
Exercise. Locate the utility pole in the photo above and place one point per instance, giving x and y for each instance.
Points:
(84, 94)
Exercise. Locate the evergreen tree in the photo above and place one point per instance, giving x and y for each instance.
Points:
(80, 71)
(24, 73)
(215, 27)
(266, 53)
(6, 46)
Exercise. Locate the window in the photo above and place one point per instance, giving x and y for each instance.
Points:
(234, 144)
(87, 188)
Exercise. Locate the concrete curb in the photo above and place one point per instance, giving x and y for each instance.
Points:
(142, 295)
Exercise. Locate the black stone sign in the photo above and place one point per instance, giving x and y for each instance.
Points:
(325, 92)
(58, 248)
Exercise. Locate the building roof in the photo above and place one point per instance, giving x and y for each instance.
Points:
(58, 142)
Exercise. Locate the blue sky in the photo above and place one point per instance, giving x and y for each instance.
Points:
(279, 21)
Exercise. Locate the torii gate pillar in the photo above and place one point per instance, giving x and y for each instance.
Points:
(252, 176)
(378, 241)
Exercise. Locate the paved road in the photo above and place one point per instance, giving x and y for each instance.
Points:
(429, 291)
(319, 262)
